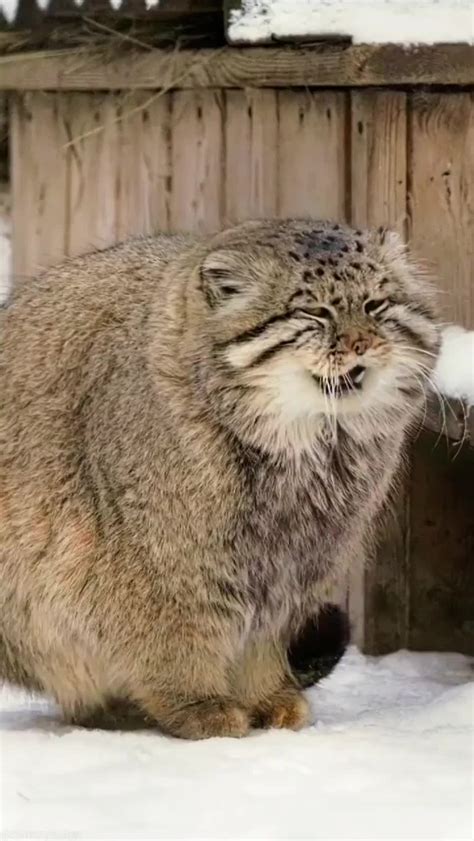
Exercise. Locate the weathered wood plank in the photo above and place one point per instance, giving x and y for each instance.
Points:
(442, 547)
(311, 147)
(197, 161)
(360, 65)
(378, 167)
(377, 604)
(92, 125)
(39, 166)
(386, 589)
(144, 165)
(441, 201)
(250, 154)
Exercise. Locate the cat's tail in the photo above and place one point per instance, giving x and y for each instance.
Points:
(319, 645)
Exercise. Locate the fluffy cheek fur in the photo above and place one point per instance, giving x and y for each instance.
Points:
(285, 389)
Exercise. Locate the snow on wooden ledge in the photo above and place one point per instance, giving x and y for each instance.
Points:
(364, 21)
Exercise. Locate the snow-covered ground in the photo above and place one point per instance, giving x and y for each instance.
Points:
(390, 756)
(365, 21)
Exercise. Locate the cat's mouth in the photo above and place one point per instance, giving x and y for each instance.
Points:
(345, 384)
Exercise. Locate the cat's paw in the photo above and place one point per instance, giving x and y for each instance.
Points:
(207, 719)
(288, 710)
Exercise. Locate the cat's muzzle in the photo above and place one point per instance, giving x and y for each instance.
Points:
(344, 384)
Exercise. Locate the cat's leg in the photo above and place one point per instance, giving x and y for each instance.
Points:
(183, 684)
(264, 684)
(115, 714)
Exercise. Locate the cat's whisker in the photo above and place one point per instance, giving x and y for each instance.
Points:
(417, 350)
(425, 406)
(442, 404)
(425, 373)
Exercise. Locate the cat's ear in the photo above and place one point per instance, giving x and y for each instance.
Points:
(388, 247)
(390, 243)
(222, 278)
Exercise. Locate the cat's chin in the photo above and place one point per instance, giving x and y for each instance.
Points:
(367, 390)
(354, 393)
(346, 385)
(293, 407)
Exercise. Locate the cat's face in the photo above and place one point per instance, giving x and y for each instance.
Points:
(309, 319)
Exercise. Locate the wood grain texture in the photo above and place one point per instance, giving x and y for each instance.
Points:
(197, 161)
(379, 161)
(377, 603)
(386, 590)
(312, 154)
(251, 154)
(91, 168)
(119, 167)
(92, 124)
(144, 164)
(39, 167)
(442, 547)
(232, 67)
(441, 200)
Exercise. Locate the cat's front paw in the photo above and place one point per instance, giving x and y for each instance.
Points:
(288, 709)
(207, 719)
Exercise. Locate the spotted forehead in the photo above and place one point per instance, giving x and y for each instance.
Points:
(334, 265)
(309, 245)
(328, 257)
(333, 244)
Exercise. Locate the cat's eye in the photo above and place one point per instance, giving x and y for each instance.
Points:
(375, 307)
(227, 289)
(321, 313)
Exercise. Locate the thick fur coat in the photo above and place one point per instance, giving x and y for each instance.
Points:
(196, 436)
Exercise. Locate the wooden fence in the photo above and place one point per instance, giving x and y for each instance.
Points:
(91, 168)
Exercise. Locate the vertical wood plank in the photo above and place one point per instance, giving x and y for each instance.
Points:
(92, 124)
(378, 596)
(442, 547)
(39, 182)
(197, 161)
(441, 199)
(378, 160)
(251, 155)
(312, 154)
(386, 591)
(144, 165)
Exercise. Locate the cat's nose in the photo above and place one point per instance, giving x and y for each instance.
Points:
(357, 342)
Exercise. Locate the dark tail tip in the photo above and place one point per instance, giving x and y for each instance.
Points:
(320, 645)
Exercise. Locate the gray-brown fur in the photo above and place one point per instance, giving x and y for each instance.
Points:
(178, 494)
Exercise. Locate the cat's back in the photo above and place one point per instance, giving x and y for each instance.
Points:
(50, 319)
(114, 279)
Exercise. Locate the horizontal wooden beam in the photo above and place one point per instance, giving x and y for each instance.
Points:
(231, 67)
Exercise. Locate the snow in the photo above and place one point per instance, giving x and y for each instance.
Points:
(366, 21)
(10, 7)
(454, 372)
(389, 757)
